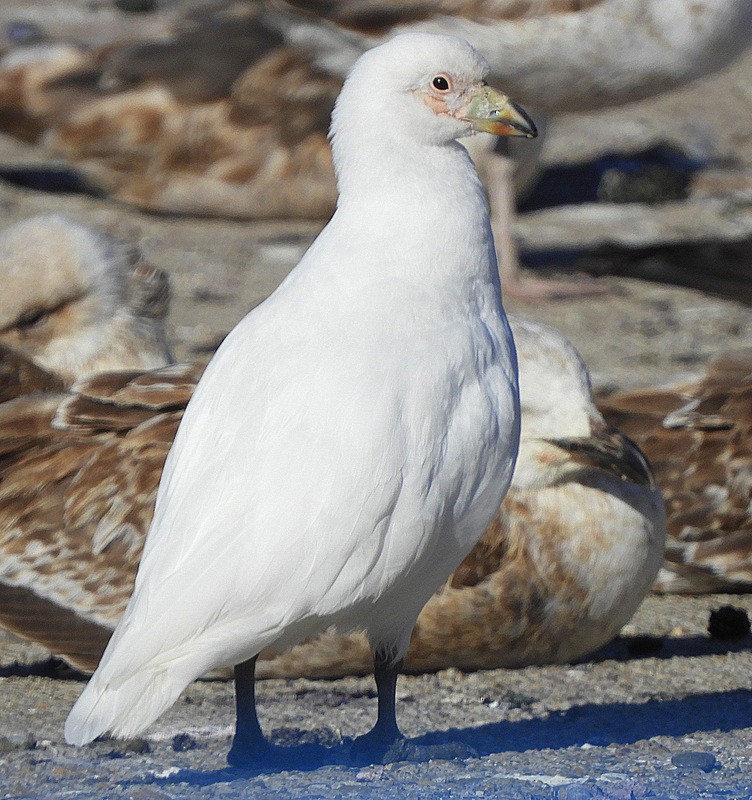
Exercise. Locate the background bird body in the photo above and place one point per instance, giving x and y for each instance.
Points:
(291, 500)
(564, 564)
(699, 435)
(616, 52)
(577, 542)
(605, 52)
(80, 473)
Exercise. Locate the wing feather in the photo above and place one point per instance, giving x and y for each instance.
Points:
(698, 438)
(76, 500)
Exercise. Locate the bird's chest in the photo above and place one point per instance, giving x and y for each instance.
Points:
(448, 443)
(455, 423)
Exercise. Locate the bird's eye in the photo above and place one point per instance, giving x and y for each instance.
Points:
(440, 83)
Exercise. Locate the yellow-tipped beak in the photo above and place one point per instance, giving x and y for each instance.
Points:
(493, 112)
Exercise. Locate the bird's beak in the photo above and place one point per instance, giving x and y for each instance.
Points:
(491, 111)
(611, 451)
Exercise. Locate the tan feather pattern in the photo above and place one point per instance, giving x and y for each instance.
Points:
(223, 118)
(19, 376)
(698, 437)
(560, 569)
(76, 496)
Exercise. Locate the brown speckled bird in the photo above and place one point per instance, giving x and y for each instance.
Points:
(78, 477)
(573, 550)
(698, 436)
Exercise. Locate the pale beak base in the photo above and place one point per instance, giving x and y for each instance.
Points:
(492, 111)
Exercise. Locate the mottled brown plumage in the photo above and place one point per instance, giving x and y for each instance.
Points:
(19, 376)
(228, 113)
(224, 117)
(225, 110)
(78, 479)
(698, 437)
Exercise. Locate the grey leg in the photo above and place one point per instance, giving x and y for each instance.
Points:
(248, 745)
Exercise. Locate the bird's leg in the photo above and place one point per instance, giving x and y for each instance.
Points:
(499, 171)
(386, 672)
(248, 745)
(250, 750)
(385, 742)
(385, 734)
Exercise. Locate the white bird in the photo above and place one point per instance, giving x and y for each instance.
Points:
(354, 435)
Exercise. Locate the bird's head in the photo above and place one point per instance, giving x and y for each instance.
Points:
(78, 301)
(426, 88)
(555, 391)
(563, 435)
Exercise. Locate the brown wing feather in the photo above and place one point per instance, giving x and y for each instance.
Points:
(698, 438)
(168, 387)
(59, 629)
(123, 400)
(76, 501)
(26, 421)
(19, 375)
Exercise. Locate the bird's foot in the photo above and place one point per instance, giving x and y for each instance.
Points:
(526, 287)
(251, 753)
(262, 756)
(378, 749)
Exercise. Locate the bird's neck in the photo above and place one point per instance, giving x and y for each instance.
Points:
(422, 207)
(377, 167)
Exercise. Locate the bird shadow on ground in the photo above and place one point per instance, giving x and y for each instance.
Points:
(629, 648)
(599, 725)
(610, 723)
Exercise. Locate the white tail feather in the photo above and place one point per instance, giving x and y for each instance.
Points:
(123, 699)
(124, 710)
